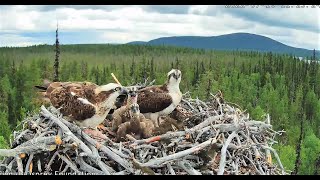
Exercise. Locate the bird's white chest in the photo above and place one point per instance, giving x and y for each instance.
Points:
(92, 122)
(176, 99)
(97, 119)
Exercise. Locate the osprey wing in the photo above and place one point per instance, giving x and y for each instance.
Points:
(74, 100)
(151, 102)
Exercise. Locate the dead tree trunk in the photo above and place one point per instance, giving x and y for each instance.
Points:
(208, 89)
(56, 61)
(298, 151)
(317, 166)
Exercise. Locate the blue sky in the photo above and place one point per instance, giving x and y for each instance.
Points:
(87, 24)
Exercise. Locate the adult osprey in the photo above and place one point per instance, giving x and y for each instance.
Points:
(85, 103)
(159, 100)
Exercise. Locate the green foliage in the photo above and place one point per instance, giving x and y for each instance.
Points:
(3, 143)
(310, 152)
(287, 154)
(258, 113)
(4, 126)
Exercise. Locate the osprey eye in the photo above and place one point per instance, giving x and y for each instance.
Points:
(117, 89)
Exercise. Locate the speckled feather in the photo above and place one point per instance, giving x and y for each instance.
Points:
(149, 95)
(64, 95)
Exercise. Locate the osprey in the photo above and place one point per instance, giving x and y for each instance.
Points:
(138, 125)
(122, 114)
(85, 103)
(159, 100)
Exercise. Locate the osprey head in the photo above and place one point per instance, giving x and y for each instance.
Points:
(174, 76)
(133, 94)
(113, 88)
(134, 109)
(112, 91)
(132, 91)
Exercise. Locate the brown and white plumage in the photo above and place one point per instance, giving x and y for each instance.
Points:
(85, 103)
(122, 114)
(168, 124)
(180, 113)
(138, 126)
(159, 100)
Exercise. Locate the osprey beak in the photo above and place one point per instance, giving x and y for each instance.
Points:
(123, 90)
(133, 94)
(175, 76)
(134, 109)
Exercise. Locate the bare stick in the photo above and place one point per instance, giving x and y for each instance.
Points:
(39, 165)
(86, 167)
(121, 173)
(66, 130)
(32, 146)
(48, 166)
(188, 168)
(115, 79)
(20, 165)
(223, 153)
(28, 164)
(106, 169)
(69, 163)
(185, 101)
(65, 169)
(110, 153)
(206, 122)
(277, 157)
(161, 137)
(179, 154)
(169, 165)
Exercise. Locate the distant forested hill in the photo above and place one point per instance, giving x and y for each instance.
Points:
(235, 41)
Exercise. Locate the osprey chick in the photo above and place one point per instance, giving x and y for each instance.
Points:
(122, 114)
(138, 125)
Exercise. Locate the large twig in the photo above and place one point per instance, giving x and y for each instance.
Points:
(109, 153)
(180, 154)
(32, 146)
(66, 130)
(27, 168)
(87, 168)
(223, 153)
(69, 163)
(168, 164)
(188, 168)
(276, 156)
(19, 164)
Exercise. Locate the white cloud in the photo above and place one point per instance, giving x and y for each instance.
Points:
(198, 9)
(302, 18)
(130, 23)
(304, 38)
(16, 40)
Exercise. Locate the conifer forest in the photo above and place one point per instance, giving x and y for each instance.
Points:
(286, 88)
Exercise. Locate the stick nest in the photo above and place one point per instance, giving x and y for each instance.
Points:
(217, 139)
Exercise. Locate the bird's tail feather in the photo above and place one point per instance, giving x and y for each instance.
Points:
(40, 88)
(45, 85)
(41, 92)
